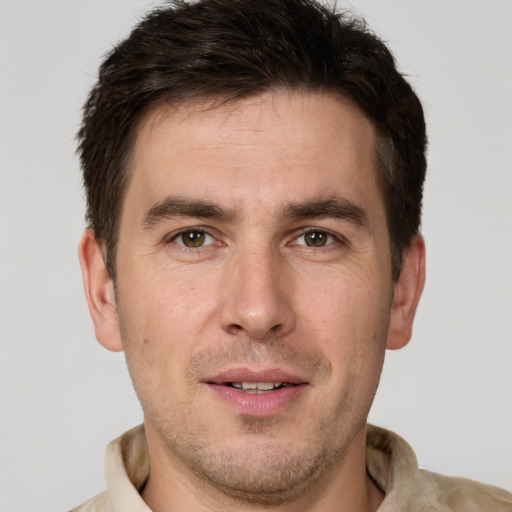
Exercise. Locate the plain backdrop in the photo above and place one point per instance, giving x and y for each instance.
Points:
(63, 397)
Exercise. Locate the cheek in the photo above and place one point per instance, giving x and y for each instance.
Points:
(163, 315)
(161, 302)
(347, 302)
(350, 320)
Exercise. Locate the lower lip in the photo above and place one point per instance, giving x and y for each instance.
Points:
(262, 404)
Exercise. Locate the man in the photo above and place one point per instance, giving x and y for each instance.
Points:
(254, 175)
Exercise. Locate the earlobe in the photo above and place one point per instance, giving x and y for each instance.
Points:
(99, 291)
(407, 294)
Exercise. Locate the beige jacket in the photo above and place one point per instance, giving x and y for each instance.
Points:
(390, 461)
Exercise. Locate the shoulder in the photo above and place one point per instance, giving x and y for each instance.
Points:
(393, 466)
(99, 503)
(463, 495)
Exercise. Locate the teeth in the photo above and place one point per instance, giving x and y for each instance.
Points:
(256, 387)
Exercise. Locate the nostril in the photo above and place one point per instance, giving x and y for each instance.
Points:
(235, 329)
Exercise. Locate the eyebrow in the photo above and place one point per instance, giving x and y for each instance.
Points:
(172, 206)
(332, 207)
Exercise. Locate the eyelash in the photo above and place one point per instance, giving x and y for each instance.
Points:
(337, 238)
(172, 238)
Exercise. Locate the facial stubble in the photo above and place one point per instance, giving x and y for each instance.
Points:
(266, 469)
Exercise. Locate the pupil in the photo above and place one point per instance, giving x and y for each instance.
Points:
(316, 239)
(193, 238)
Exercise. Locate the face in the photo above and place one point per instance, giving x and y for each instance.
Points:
(254, 291)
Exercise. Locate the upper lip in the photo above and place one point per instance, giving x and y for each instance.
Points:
(250, 375)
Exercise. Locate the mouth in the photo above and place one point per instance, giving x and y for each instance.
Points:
(256, 381)
(258, 392)
(258, 388)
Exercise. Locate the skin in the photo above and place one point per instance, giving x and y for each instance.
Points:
(269, 285)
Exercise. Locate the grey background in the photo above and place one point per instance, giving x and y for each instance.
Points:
(63, 397)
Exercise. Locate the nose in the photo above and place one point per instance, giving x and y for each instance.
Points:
(256, 296)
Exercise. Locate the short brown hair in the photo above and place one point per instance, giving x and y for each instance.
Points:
(231, 49)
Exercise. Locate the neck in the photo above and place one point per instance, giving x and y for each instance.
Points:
(344, 487)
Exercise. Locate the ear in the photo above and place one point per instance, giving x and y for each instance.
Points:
(99, 291)
(407, 294)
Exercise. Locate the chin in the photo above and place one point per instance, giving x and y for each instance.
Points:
(264, 472)
(261, 469)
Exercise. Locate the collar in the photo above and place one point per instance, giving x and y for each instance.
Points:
(390, 462)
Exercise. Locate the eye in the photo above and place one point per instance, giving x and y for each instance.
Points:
(193, 238)
(315, 238)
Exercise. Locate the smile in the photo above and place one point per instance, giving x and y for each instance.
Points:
(258, 387)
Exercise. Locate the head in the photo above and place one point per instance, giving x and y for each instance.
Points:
(231, 49)
(254, 173)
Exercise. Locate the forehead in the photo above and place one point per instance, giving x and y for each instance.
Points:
(276, 147)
